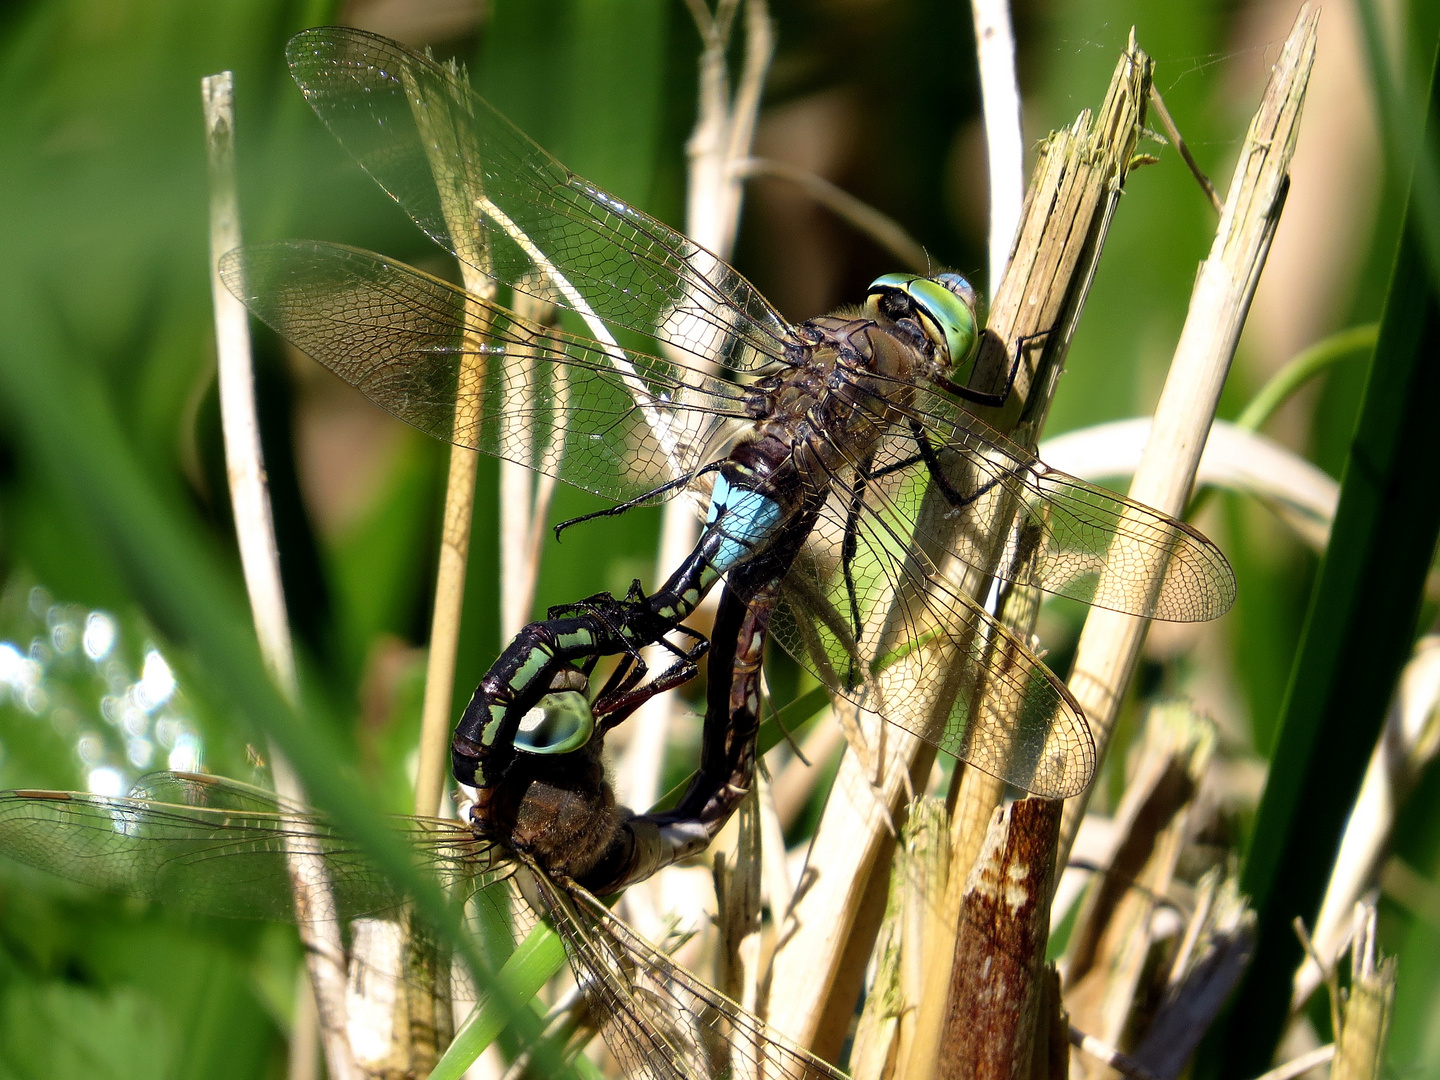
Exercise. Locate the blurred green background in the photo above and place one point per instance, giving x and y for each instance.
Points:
(104, 293)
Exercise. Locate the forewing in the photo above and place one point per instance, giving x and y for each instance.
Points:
(927, 657)
(1013, 515)
(216, 847)
(610, 420)
(659, 1020)
(483, 190)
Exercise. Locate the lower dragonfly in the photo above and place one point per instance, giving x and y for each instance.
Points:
(857, 430)
(219, 846)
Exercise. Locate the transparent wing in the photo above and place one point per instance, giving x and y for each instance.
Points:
(606, 419)
(483, 190)
(658, 1019)
(890, 632)
(216, 846)
(1034, 526)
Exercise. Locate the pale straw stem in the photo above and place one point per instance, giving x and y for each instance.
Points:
(817, 967)
(1301, 1065)
(744, 114)
(444, 643)
(445, 630)
(1004, 145)
(260, 562)
(1110, 643)
(1103, 1052)
(435, 711)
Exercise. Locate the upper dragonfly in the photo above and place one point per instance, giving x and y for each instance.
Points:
(838, 426)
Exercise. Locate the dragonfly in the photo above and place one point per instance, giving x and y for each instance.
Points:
(844, 428)
(220, 847)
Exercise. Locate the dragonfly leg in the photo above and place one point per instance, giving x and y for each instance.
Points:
(640, 500)
(603, 606)
(623, 692)
(953, 495)
(1001, 396)
(848, 548)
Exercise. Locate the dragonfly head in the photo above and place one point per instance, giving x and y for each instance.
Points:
(943, 306)
(559, 723)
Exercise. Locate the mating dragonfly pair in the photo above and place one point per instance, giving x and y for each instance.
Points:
(837, 461)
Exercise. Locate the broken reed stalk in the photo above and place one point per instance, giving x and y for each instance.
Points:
(885, 1036)
(1004, 142)
(445, 629)
(1301, 1065)
(818, 967)
(526, 486)
(260, 562)
(1370, 1008)
(1109, 645)
(1106, 1054)
(996, 990)
(1211, 957)
(1078, 181)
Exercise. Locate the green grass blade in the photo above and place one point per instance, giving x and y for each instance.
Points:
(1358, 634)
(529, 968)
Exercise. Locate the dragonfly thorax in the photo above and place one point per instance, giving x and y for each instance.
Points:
(560, 810)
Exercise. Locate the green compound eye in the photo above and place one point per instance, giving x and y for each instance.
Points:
(558, 724)
(946, 307)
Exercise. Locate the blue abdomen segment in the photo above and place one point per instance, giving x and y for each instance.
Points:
(747, 519)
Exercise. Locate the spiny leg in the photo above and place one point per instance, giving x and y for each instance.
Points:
(623, 692)
(640, 500)
(1000, 397)
(848, 548)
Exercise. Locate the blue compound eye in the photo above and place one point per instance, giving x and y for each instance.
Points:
(558, 724)
(945, 305)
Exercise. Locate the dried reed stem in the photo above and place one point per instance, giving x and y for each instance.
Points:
(1301, 1065)
(1004, 144)
(445, 630)
(1360, 1047)
(996, 988)
(1212, 955)
(1110, 945)
(1078, 179)
(260, 561)
(1106, 1054)
(1110, 643)
(884, 1041)
(459, 205)
(816, 973)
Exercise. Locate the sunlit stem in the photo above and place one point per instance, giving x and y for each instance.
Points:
(260, 561)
